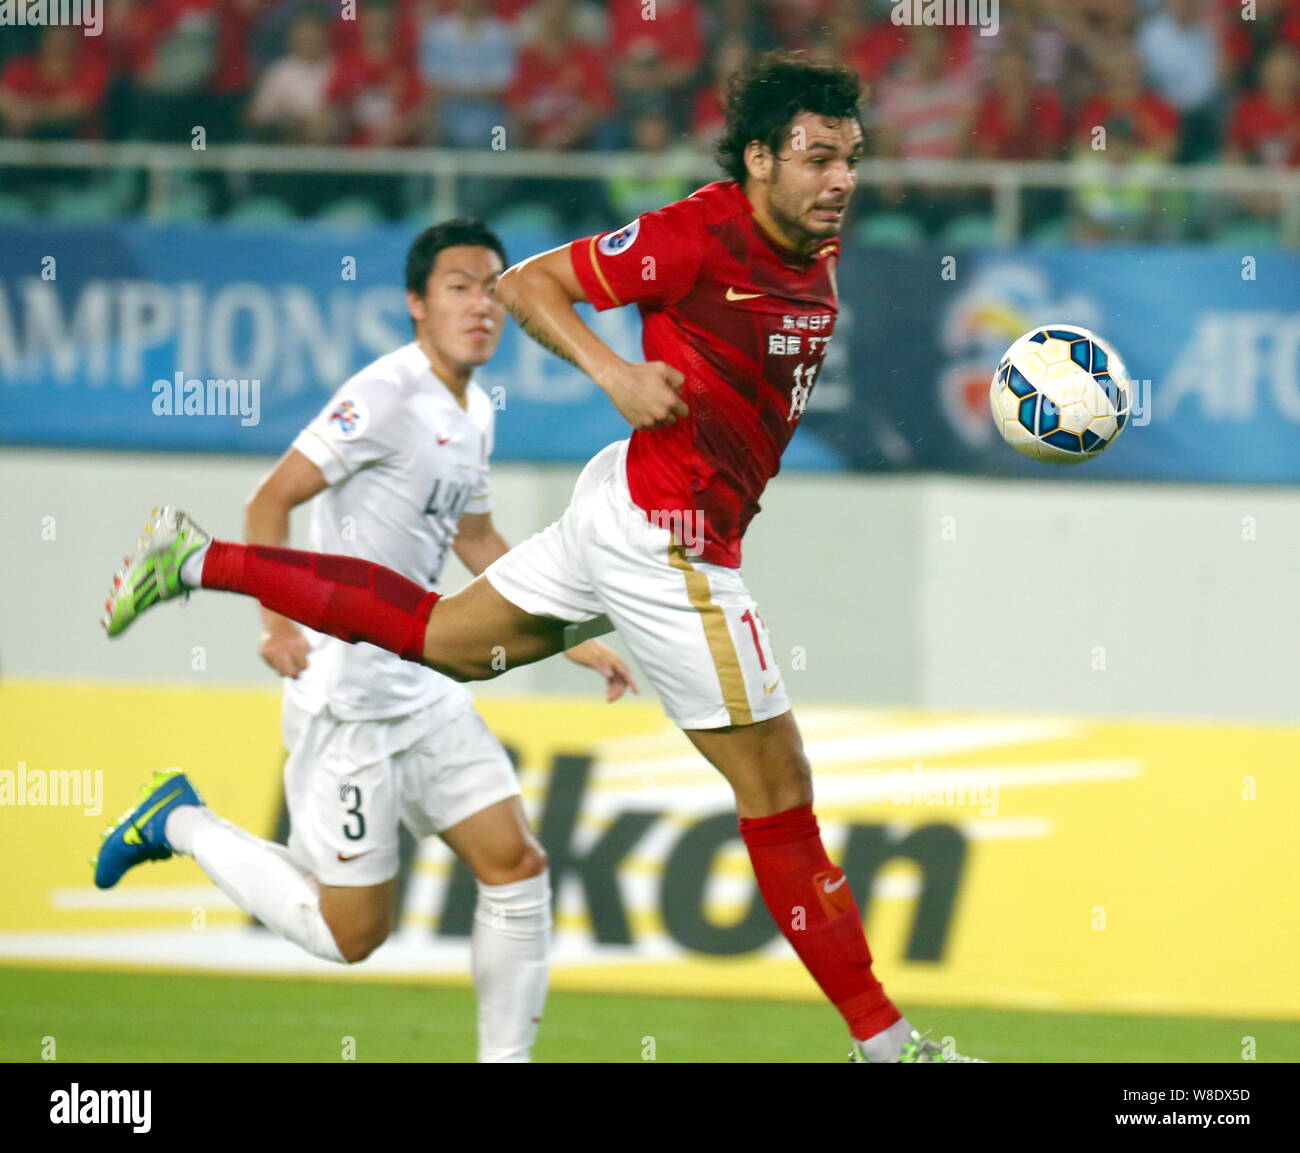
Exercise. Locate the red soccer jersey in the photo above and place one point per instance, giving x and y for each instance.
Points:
(1154, 120)
(746, 321)
(86, 83)
(1038, 137)
(374, 92)
(675, 35)
(1265, 133)
(546, 91)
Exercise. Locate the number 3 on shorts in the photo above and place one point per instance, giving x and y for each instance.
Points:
(352, 793)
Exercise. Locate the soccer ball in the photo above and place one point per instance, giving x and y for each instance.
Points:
(1061, 394)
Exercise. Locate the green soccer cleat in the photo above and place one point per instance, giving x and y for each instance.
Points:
(154, 573)
(141, 834)
(920, 1050)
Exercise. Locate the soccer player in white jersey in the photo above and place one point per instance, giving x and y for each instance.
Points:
(397, 462)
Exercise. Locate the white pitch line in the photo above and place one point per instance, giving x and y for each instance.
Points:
(672, 739)
(1006, 828)
(704, 790)
(892, 744)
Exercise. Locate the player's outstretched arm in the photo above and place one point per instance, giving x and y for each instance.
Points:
(601, 659)
(477, 542)
(540, 294)
(293, 481)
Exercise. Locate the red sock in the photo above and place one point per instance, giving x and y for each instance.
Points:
(343, 596)
(810, 901)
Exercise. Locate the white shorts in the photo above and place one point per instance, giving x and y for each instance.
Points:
(348, 783)
(693, 627)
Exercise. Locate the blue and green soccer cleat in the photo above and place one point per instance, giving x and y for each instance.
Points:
(154, 573)
(141, 833)
(920, 1050)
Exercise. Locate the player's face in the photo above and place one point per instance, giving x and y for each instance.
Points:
(813, 177)
(459, 315)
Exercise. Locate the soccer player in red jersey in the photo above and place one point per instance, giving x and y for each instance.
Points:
(736, 289)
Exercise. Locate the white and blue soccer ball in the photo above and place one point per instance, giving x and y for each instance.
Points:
(1061, 394)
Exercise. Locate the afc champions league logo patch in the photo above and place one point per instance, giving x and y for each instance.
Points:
(621, 240)
(348, 417)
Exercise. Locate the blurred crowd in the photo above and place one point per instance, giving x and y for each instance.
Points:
(1123, 81)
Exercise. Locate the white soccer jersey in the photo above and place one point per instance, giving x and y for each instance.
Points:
(403, 461)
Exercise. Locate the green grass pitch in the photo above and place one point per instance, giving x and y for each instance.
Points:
(112, 1016)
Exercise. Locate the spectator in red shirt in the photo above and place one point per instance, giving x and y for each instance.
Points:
(1266, 124)
(872, 48)
(1265, 127)
(1017, 120)
(1153, 121)
(373, 92)
(658, 50)
(404, 19)
(180, 63)
(53, 93)
(559, 93)
(176, 64)
(922, 115)
(923, 108)
(1247, 42)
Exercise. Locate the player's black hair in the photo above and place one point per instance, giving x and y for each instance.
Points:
(766, 95)
(423, 253)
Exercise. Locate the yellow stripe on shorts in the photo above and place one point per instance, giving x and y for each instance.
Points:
(721, 647)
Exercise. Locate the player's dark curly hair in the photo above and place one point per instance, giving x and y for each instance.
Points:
(767, 94)
(423, 253)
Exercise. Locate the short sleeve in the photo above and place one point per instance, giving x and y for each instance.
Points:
(655, 260)
(360, 426)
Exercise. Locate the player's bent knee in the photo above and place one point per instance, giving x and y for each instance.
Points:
(358, 928)
(532, 863)
(529, 861)
(357, 942)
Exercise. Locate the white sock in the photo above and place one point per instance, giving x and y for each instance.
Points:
(510, 949)
(261, 878)
(886, 1046)
(192, 568)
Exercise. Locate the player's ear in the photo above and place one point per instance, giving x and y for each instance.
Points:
(415, 305)
(758, 160)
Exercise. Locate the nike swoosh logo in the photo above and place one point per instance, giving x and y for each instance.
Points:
(732, 294)
(767, 692)
(132, 835)
(827, 887)
(443, 439)
(354, 856)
